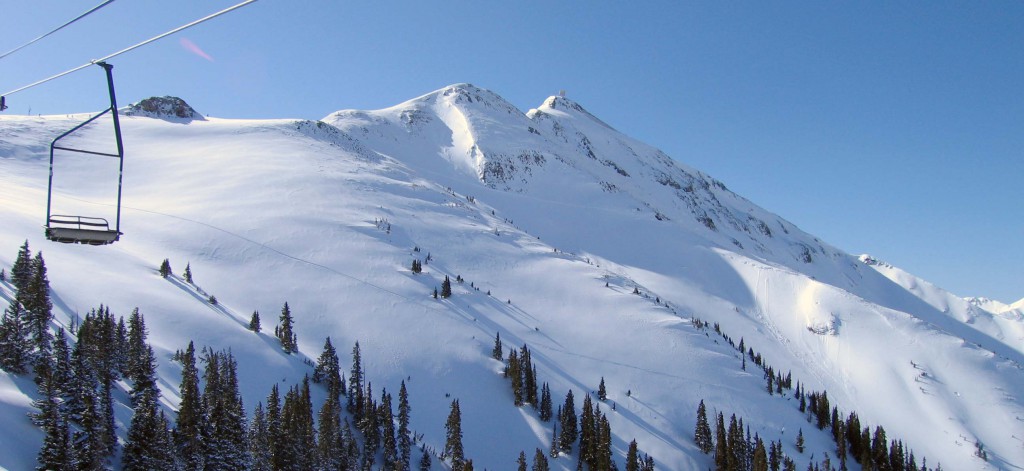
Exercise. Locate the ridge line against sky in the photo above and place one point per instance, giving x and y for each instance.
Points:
(894, 130)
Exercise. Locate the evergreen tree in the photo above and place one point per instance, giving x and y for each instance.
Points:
(453, 437)
(258, 441)
(721, 445)
(446, 287)
(21, 271)
(355, 384)
(588, 436)
(521, 462)
(602, 393)
(55, 452)
(529, 382)
(759, 462)
(275, 430)
(331, 451)
(632, 457)
(568, 424)
(702, 432)
(545, 403)
(165, 268)
(389, 445)
(405, 441)
(328, 370)
(417, 267)
(497, 352)
(800, 441)
(254, 322)
(15, 341)
(135, 355)
(149, 443)
(540, 462)
(285, 331)
(225, 444)
(188, 273)
(35, 298)
(425, 461)
(515, 373)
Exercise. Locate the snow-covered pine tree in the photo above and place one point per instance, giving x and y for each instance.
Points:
(285, 331)
(258, 441)
(15, 340)
(188, 433)
(328, 370)
(21, 271)
(187, 275)
(386, 419)
(602, 393)
(355, 384)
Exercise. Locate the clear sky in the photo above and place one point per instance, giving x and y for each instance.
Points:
(889, 128)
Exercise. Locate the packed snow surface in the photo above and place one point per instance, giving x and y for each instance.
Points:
(594, 249)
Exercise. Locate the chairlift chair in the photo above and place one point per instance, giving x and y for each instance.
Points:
(86, 229)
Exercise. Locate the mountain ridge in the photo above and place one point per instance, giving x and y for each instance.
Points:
(328, 216)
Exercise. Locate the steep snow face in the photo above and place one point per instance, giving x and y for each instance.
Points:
(329, 215)
(993, 318)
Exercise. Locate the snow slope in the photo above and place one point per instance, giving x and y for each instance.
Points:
(556, 215)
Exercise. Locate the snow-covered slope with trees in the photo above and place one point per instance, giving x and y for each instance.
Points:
(600, 253)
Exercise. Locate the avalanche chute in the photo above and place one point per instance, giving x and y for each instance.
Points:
(87, 229)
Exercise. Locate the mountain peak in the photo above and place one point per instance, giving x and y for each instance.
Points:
(163, 107)
(562, 105)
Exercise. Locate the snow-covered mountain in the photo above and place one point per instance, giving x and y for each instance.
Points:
(596, 250)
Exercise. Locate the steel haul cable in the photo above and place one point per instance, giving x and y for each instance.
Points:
(122, 51)
(83, 15)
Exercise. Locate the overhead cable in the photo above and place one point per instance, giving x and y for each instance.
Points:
(83, 15)
(122, 51)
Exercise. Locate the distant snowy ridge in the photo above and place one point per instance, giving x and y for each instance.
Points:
(599, 252)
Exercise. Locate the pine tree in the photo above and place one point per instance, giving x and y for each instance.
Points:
(15, 341)
(722, 451)
(188, 273)
(417, 267)
(331, 451)
(702, 432)
(567, 418)
(588, 438)
(425, 461)
(328, 370)
(275, 430)
(165, 268)
(497, 352)
(515, 373)
(224, 436)
(800, 441)
(633, 457)
(285, 332)
(258, 441)
(254, 322)
(135, 354)
(521, 462)
(54, 454)
(602, 393)
(405, 441)
(355, 384)
(21, 271)
(545, 403)
(190, 422)
(453, 437)
(759, 462)
(148, 446)
(389, 445)
(446, 287)
(540, 462)
(35, 298)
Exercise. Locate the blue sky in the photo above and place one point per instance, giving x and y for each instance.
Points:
(891, 128)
